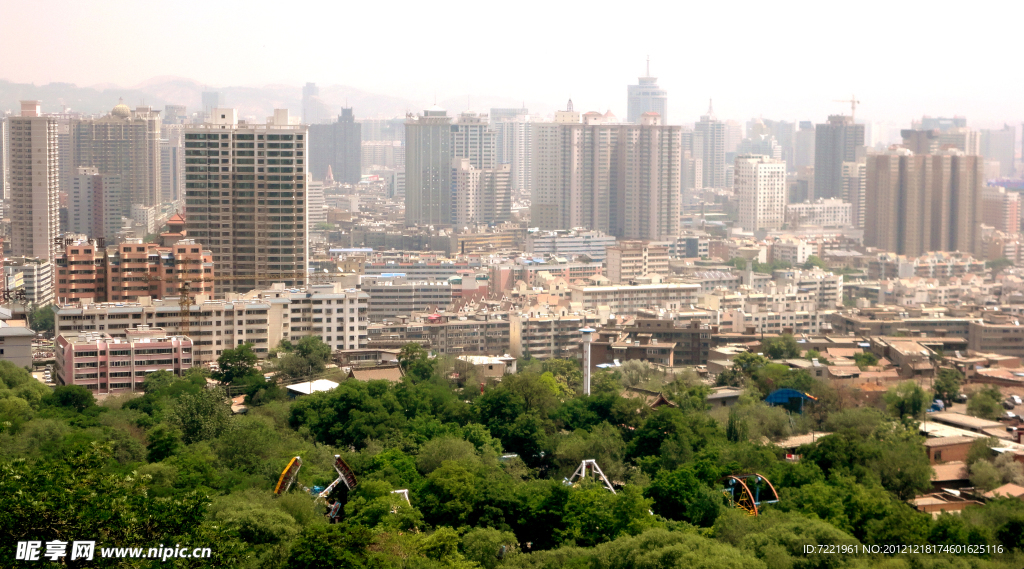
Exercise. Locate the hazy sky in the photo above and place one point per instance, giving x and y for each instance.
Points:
(774, 59)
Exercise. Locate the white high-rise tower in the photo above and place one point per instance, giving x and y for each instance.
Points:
(646, 97)
(760, 184)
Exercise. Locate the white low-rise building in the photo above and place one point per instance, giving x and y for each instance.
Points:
(397, 295)
(624, 300)
(261, 318)
(831, 212)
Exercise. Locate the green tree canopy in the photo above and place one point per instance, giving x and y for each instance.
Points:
(41, 319)
(985, 403)
(238, 366)
(784, 346)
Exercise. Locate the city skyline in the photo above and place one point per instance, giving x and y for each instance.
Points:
(530, 73)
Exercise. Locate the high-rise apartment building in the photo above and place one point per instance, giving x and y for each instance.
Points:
(803, 146)
(692, 175)
(124, 143)
(480, 195)
(1001, 209)
(383, 129)
(918, 203)
(760, 185)
(96, 204)
(473, 138)
(316, 204)
(65, 155)
(801, 185)
(503, 143)
(784, 133)
(34, 184)
(998, 146)
(314, 110)
(646, 97)
(837, 141)
(5, 144)
(762, 144)
(175, 114)
(172, 167)
(933, 141)
(245, 189)
(622, 179)
(513, 139)
(337, 146)
(497, 115)
(428, 168)
(211, 100)
(133, 269)
(733, 135)
(939, 123)
(377, 154)
(854, 178)
(709, 135)
(34, 274)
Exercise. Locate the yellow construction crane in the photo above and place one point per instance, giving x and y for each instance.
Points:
(185, 287)
(853, 104)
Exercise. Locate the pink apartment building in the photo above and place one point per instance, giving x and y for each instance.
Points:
(103, 364)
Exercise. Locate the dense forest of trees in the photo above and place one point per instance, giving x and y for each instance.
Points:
(173, 466)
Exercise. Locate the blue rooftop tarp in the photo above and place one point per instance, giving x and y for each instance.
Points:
(783, 396)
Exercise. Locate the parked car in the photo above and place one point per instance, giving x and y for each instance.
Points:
(1016, 399)
(961, 398)
(1008, 404)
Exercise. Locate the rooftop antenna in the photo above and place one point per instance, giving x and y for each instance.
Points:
(648, 65)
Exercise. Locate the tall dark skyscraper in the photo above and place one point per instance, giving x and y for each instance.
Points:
(428, 168)
(835, 142)
(338, 145)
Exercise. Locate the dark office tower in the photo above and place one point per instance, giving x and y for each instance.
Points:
(338, 145)
(709, 133)
(428, 168)
(834, 143)
(998, 145)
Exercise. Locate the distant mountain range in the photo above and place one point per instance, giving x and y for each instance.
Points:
(251, 102)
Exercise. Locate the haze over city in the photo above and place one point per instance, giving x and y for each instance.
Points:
(786, 60)
(520, 285)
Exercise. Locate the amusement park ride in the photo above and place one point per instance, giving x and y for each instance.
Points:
(747, 492)
(346, 476)
(291, 474)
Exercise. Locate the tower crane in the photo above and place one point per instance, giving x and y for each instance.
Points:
(853, 104)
